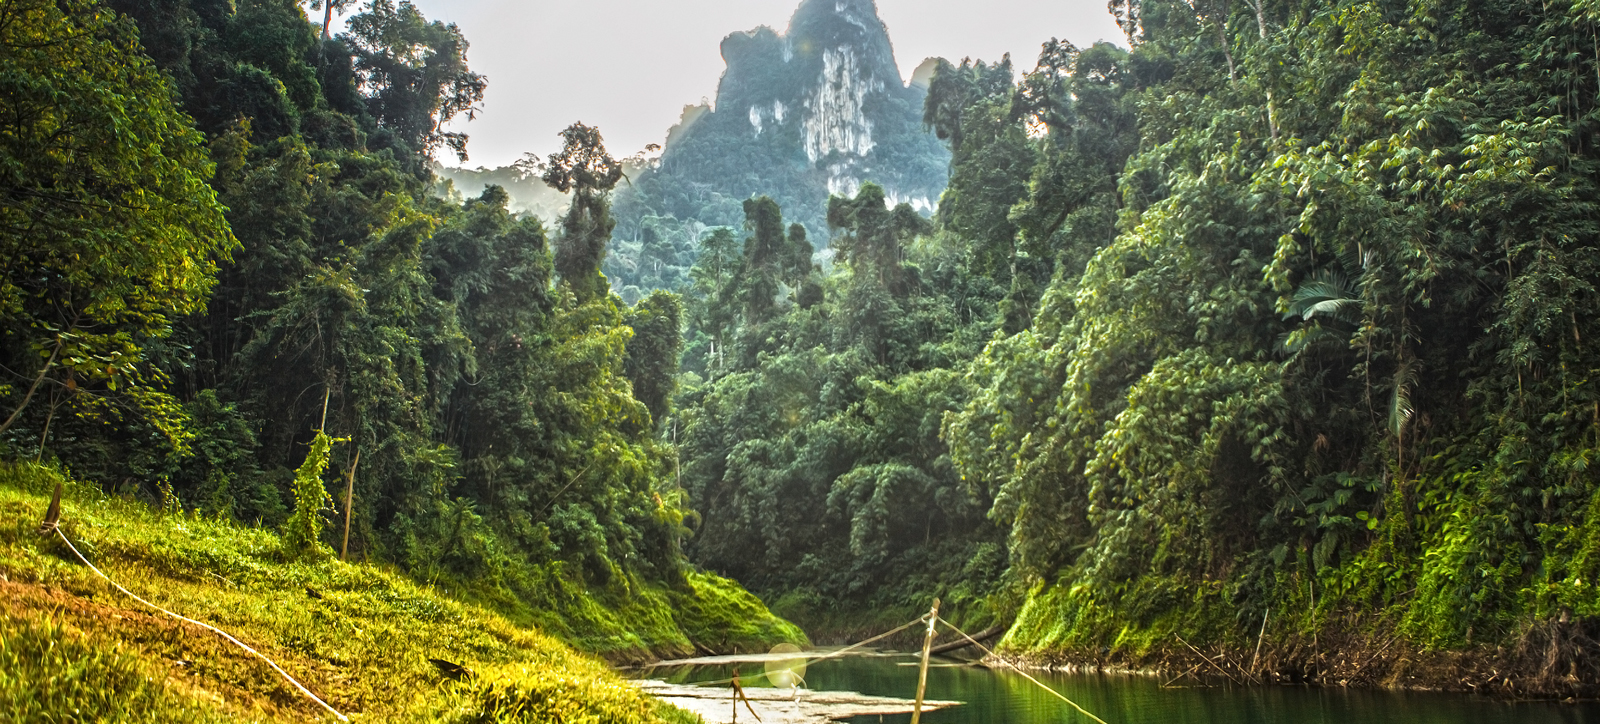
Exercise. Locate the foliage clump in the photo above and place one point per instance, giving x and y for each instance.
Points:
(302, 533)
(506, 421)
(1277, 315)
(1323, 366)
(109, 231)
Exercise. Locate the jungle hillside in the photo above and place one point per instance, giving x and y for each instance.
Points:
(290, 387)
(1271, 333)
(1267, 330)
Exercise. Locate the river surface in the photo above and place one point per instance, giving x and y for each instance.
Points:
(1003, 697)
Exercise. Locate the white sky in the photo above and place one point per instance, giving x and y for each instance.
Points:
(629, 66)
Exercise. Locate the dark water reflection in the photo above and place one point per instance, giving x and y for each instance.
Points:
(1002, 697)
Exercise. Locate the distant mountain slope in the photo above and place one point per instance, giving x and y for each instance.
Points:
(816, 110)
(526, 191)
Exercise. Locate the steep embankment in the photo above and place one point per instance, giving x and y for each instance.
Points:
(359, 636)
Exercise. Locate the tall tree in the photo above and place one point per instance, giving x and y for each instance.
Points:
(108, 228)
(657, 323)
(584, 169)
(415, 78)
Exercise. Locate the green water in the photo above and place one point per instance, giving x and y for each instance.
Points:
(1001, 697)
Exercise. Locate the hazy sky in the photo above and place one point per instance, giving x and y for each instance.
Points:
(629, 66)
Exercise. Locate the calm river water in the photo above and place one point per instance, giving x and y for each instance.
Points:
(1002, 697)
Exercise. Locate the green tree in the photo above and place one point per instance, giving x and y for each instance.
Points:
(710, 304)
(415, 78)
(657, 323)
(302, 534)
(584, 169)
(762, 268)
(108, 229)
(990, 158)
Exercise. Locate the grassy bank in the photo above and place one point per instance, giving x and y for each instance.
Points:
(72, 648)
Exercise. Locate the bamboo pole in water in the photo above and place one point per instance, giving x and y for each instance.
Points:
(1259, 638)
(922, 676)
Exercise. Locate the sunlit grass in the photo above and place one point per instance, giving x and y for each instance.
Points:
(52, 672)
(359, 636)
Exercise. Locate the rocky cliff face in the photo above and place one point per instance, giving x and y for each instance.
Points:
(816, 110)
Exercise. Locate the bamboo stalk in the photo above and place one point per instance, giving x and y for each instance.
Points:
(738, 695)
(922, 676)
(1259, 638)
(984, 635)
(349, 493)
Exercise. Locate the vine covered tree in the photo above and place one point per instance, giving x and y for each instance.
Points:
(414, 76)
(584, 169)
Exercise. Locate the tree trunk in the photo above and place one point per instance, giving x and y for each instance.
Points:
(1272, 105)
(33, 388)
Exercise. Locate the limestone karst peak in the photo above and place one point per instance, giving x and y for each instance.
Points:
(817, 108)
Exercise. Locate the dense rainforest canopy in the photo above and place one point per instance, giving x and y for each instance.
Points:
(1278, 320)
(225, 263)
(1284, 315)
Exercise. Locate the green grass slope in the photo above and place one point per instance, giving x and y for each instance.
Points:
(73, 648)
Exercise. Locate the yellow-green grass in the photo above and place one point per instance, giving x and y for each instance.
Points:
(357, 635)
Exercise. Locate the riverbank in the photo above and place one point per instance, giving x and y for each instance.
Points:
(1545, 664)
(1373, 665)
(361, 637)
(1211, 641)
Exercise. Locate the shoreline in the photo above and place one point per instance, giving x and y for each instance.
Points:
(1490, 673)
(1538, 667)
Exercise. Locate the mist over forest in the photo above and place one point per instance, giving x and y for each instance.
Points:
(1266, 330)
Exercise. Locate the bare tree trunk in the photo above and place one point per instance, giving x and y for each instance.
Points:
(327, 17)
(46, 434)
(34, 387)
(1221, 22)
(1272, 105)
(349, 495)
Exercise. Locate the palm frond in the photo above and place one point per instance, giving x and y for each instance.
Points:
(1327, 293)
